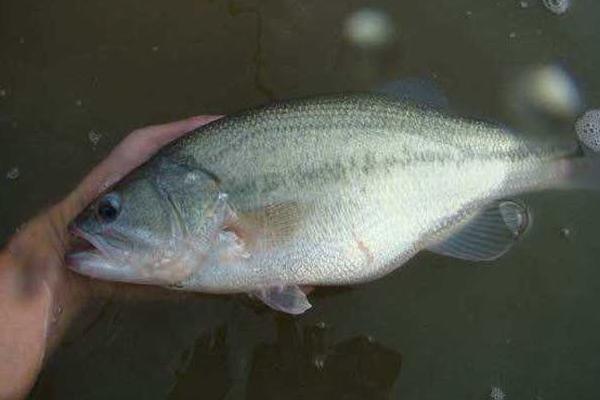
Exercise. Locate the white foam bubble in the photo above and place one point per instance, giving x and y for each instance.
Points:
(557, 6)
(587, 128)
(13, 173)
(497, 393)
(94, 137)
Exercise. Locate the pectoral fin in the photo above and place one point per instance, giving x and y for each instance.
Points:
(487, 234)
(274, 224)
(289, 299)
(248, 232)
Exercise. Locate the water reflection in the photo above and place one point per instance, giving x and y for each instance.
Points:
(301, 363)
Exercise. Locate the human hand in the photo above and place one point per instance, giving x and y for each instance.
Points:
(38, 294)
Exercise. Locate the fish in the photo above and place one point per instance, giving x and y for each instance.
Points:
(321, 191)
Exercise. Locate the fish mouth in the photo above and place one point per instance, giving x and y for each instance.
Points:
(82, 246)
(89, 256)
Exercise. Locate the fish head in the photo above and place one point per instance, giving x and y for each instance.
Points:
(154, 228)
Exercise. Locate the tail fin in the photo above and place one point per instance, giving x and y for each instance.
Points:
(582, 172)
(576, 169)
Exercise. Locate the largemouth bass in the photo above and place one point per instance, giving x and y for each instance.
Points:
(324, 191)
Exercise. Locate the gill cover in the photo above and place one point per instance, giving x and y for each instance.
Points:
(155, 227)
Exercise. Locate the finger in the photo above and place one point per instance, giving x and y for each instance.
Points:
(148, 140)
(134, 150)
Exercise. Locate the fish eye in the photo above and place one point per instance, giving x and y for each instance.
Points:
(108, 208)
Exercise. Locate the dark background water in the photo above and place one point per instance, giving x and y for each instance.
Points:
(441, 328)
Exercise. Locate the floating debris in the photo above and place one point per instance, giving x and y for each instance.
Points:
(155, 48)
(94, 137)
(557, 6)
(468, 13)
(512, 35)
(524, 4)
(79, 102)
(369, 27)
(587, 128)
(2, 92)
(21, 40)
(13, 173)
(497, 394)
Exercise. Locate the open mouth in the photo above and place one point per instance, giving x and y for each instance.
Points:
(80, 245)
(80, 241)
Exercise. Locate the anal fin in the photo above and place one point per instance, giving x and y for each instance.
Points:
(487, 234)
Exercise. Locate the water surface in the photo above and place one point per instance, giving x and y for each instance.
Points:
(75, 78)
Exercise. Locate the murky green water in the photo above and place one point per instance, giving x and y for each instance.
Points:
(439, 329)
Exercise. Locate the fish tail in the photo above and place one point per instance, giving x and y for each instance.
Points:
(576, 170)
(579, 173)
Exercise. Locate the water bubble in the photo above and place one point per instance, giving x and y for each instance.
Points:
(2, 92)
(155, 48)
(524, 4)
(566, 233)
(587, 128)
(79, 102)
(319, 361)
(557, 6)
(13, 173)
(369, 27)
(94, 137)
(56, 312)
(512, 35)
(468, 13)
(497, 393)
